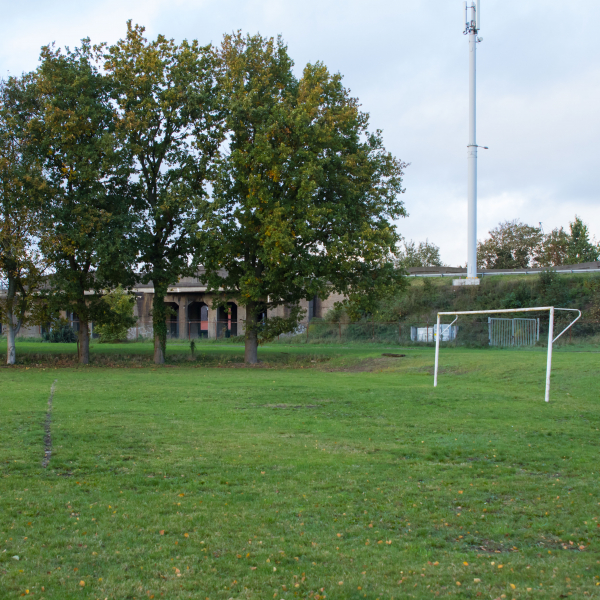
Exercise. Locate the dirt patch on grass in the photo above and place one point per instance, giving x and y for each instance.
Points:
(369, 365)
(492, 547)
(219, 361)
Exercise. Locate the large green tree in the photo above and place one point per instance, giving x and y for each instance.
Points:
(580, 249)
(560, 247)
(304, 196)
(554, 249)
(511, 245)
(21, 189)
(87, 211)
(423, 254)
(169, 119)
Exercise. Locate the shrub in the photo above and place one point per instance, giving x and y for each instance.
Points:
(119, 316)
(63, 334)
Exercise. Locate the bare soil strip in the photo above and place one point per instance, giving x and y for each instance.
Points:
(48, 434)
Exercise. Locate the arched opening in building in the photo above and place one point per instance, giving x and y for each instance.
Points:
(314, 308)
(197, 320)
(172, 319)
(227, 320)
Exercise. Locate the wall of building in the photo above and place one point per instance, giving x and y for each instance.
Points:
(181, 326)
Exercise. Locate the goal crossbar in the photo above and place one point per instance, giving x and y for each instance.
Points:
(551, 338)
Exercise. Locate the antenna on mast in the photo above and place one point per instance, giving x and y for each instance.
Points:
(477, 19)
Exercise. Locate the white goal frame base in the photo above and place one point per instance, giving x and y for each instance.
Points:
(551, 339)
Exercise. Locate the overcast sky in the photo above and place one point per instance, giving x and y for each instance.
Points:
(407, 62)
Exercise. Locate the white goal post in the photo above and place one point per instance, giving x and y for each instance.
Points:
(551, 339)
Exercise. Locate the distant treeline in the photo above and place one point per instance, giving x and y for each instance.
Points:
(514, 245)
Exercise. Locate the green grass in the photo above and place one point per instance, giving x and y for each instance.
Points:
(349, 477)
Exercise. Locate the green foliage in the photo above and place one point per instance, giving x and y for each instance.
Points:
(421, 302)
(425, 254)
(87, 216)
(304, 199)
(61, 334)
(580, 249)
(554, 249)
(514, 245)
(168, 119)
(21, 190)
(269, 329)
(511, 245)
(118, 317)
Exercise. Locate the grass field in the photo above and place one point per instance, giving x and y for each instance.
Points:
(328, 472)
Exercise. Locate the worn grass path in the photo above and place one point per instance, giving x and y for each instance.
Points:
(349, 477)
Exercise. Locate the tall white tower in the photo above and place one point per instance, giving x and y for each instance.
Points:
(472, 26)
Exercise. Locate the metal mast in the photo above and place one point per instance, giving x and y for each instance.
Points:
(472, 26)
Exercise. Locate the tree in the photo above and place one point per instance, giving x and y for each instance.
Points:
(561, 248)
(168, 119)
(304, 196)
(21, 188)
(87, 209)
(120, 316)
(511, 245)
(422, 255)
(554, 249)
(580, 249)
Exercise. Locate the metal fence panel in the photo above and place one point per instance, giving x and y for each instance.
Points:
(513, 332)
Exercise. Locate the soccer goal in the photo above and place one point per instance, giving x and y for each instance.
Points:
(551, 338)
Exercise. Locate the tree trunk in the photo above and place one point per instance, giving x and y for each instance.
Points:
(251, 338)
(159, 355)
(11, 351)
(84, 342)
(159, 323)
